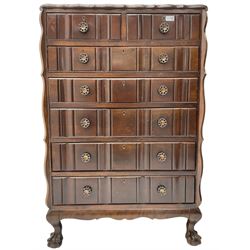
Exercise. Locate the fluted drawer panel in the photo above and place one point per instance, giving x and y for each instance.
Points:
(177, 27)
(162, 122)
(123, 156)
(123, 90)
(65, 59)
(122, 190)
(68, 26)
(108, 26)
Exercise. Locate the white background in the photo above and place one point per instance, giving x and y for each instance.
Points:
(225, 183)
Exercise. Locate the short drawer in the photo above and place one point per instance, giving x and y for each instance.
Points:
(164, 122)
(123, 190)
(125, 156)
(65, 59)
(123, 90)
(163, 26)
(84, 26)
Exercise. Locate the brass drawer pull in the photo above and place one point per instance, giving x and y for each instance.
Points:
(162, 190)
(162, 122)
(161, 156)
(163, 90)
(163, 58)
(85, 122)
(164, 27)
(84, 90)
(86, 157)
(84, 27)
(84, 58)
(87, 190)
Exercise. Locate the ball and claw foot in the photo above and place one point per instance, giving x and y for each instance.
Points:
(193, 238)
(55, 240)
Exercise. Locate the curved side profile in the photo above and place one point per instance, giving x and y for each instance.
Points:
(123, 108)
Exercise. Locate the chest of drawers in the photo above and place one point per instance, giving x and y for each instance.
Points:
(123, 109)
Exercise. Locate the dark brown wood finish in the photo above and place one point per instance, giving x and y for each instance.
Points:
(123, 156)
(122, 190)
(123, 122)
(106, 59)
(123, 110)
(108, 27)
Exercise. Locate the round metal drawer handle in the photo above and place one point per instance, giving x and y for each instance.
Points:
(161, 156)
(87, 190)
(163, 58)
(86, 157)
(162, 122)
(84, 58)
(164, 27)
(84, 27)
(85, 122)
(84, 90)
(163, 90)
(162, 190)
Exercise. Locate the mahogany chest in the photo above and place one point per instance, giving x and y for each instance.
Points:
(123, 108)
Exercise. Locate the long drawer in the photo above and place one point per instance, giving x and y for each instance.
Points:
(123, 90)
(162, 122)
(119, 190)
(138, 26)
(123, 156)
(68, 59)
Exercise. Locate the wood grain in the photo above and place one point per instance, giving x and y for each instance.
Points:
(137, 7)
(201, 116)
(123, 189)
(66, 59)
(123, 156)
(118, 91)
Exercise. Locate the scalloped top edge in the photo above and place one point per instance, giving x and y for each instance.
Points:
(107, 6)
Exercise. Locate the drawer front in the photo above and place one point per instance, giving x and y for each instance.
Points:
(163, 27)
(108, 26)
(172, 189)
(123, 90)
(126, 156)
(84, 26)
(122, 190)
(123, 59)
(165, 122)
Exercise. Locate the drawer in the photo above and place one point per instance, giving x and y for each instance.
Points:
(122, 190)
(108, 26)
(106, 59)
(163, 122)
(163, 26)
(125, 156)
(84, 27)
(123, 90)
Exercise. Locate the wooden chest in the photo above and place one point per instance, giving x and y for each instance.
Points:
(123, 108)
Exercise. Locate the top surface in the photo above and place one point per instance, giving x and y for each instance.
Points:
(165, 6)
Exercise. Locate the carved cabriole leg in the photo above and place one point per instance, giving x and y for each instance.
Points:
(193, 215)
(55, 239)
(192, 236)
